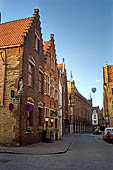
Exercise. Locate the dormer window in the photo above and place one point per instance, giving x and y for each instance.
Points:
(52, 63)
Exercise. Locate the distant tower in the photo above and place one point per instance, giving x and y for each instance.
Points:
(71, 77)
(0, 17)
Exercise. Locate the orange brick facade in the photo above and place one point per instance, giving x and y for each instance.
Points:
(108, 94)
(80, 110)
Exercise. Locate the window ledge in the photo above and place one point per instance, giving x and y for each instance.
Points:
(29, 132)
(30, 86)
(47, 95)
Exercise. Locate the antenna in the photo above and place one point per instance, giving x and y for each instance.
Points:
(90, 95)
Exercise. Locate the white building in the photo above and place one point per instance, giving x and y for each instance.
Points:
(95, 116)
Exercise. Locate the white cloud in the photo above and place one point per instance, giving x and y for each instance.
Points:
(98, 81)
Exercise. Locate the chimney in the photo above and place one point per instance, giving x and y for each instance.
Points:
(52, 36)
(36, 11)
(63, 65)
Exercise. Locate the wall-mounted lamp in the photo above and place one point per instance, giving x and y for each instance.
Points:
(46, 119)
(52, 120)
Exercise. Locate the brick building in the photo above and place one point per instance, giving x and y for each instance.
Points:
(108, 94)
(51, 89)
(80, 110)
(22, 65)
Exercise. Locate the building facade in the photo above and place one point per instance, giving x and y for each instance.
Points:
(80, 110)
(51, 90)
(21, 81)
(63, 78)
(108, 94)
(60, 102)
(95, 118)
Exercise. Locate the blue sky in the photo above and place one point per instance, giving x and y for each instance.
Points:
(83, 36)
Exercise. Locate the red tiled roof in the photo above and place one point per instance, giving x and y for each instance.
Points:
(11, 32)
(60, 66)
(45, 46)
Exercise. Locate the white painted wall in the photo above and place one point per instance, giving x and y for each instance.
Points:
(95, 118)
(60, 105)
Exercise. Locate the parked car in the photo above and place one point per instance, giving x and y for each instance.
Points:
(109, 129)
(96, 132)
(109, 137)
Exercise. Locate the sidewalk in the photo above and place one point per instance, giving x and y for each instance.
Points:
(57, 147)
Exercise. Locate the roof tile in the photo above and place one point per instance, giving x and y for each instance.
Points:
(11, 32)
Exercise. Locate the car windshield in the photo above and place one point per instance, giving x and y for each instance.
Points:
(108, 130)
(111, 133)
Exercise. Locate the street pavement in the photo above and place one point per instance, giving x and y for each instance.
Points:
(85, 152)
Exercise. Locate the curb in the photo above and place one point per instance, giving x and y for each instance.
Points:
(30, 153)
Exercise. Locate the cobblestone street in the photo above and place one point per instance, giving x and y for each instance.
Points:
(87, 152)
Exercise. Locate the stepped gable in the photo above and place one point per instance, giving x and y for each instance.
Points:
(110, 73)
(47, 44)
(60, 66)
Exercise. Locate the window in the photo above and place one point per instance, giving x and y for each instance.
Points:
(30, 75)
(40, 117)
(95, 121)
(37, 44)
(47, 112)
(50, 103)
(94, 116)
(40, 82)
(112, 91)
(112, 104)
(55, 123)
(56, 91)
(94, 111)
(52, 63)
(51, 124)
(52, 88)
(29, 123)
(47, 84)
